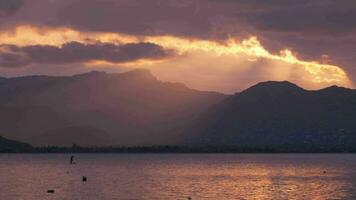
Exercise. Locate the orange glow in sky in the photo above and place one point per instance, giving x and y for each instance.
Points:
(201, 64)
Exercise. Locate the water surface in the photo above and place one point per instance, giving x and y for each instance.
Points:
(178, 176)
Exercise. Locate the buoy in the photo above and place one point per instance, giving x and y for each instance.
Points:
(84, 179)
(50, 191)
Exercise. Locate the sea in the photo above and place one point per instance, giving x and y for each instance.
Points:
(177, 176)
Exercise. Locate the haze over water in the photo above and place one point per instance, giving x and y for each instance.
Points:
(178, 176)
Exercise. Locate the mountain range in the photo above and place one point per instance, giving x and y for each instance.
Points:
(96, 108)
(136, 109)
(272, 114)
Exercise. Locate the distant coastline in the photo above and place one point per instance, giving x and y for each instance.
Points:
(179, 149)
(13, 146)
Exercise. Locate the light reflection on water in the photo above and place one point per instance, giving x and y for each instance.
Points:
(178, 176)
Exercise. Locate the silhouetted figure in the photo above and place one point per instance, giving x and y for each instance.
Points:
(84, 179)
(50, 191)
(71, 160)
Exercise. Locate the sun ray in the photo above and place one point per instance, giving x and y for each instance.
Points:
(250, 47)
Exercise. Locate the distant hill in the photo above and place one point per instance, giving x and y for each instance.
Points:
(82, 136)
(132, 108)
(12, 146)
(280, 114)
(136, 109)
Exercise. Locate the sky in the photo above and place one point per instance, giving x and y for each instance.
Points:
(213, 45)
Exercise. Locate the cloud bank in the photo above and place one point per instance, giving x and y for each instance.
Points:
(75, 52)
(310, 31)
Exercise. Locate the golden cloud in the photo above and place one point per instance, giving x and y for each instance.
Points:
(203, 64)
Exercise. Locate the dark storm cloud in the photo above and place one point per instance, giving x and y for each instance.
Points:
(310, 27)
(8, 7)
(195, 18)
(138, 17)
(327, 17)
(74, 52)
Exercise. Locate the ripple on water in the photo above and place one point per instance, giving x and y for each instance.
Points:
(178, 176)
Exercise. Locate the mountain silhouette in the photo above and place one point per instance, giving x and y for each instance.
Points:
(280, 114)
(132, 108)
(136, 109)
(82, 136)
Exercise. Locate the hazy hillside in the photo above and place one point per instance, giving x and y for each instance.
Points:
(7, 145)
(132, 108)
(280, 113)
(83, 136)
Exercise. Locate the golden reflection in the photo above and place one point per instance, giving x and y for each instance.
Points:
(259, 180)
(219, 176)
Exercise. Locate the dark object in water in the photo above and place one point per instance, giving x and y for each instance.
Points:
(84, 179)
(189, 198)
(324, 172)
(50, 191)
(71, 160)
